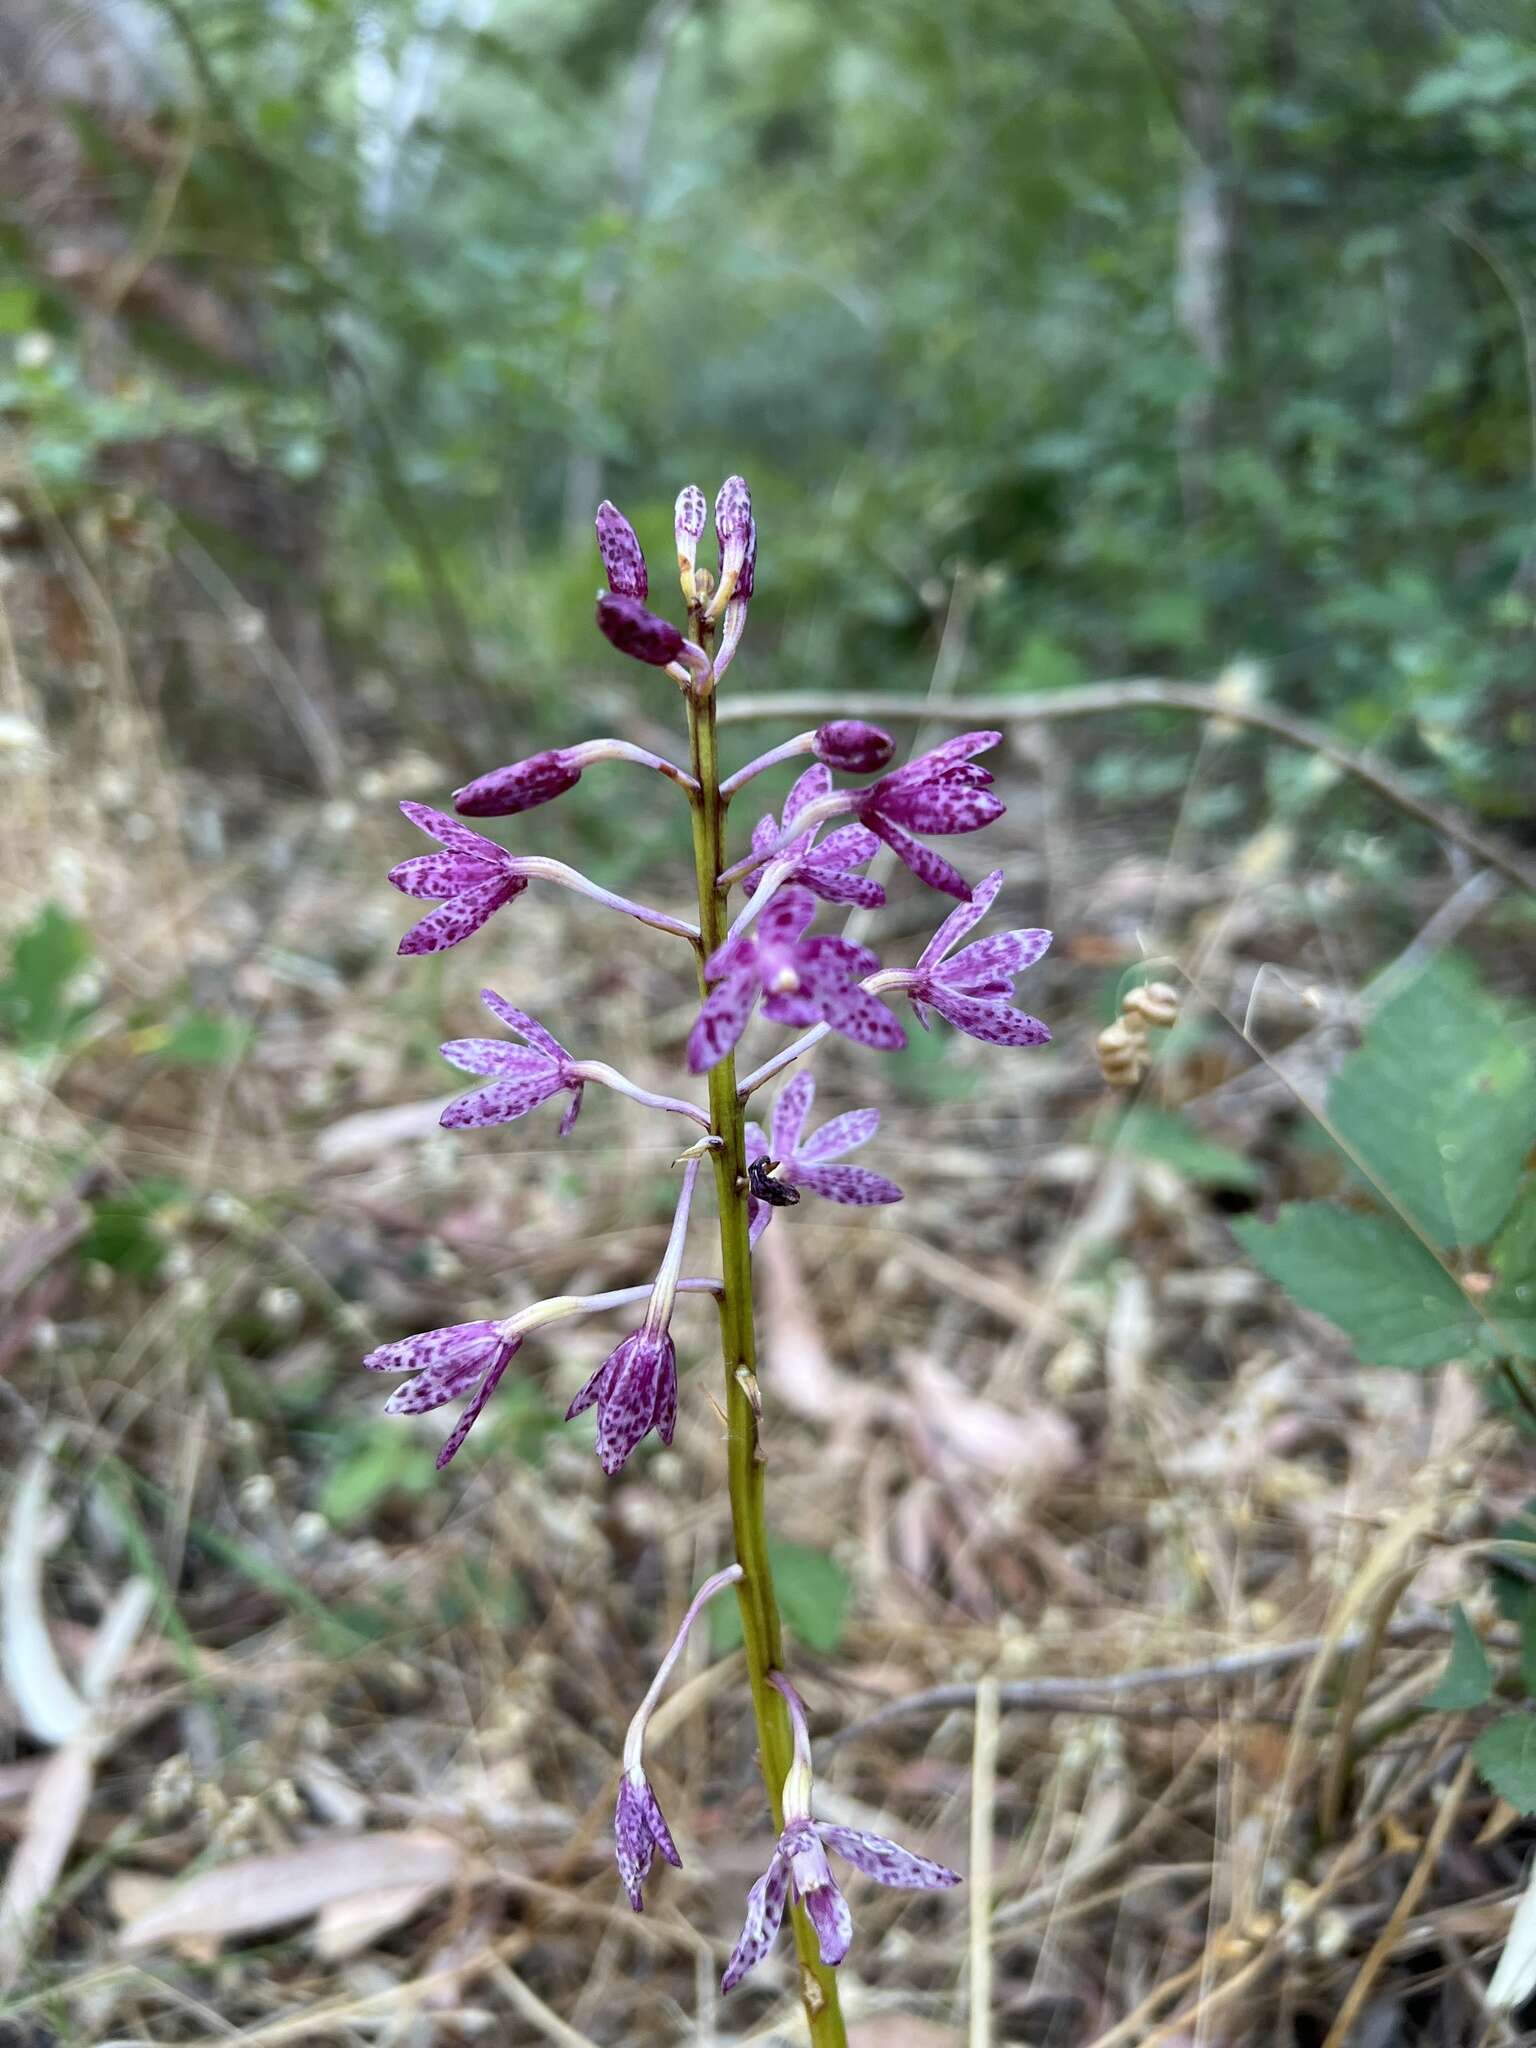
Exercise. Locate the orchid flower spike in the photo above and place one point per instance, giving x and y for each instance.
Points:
(635, 1387)
(638, 1827)
(798, 1867)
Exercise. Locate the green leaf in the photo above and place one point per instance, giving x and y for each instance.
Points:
(382, 1460)
(1372, 1278)
(1438, 1106)
(35, 1009)
(1157, 1134)
(127, 1228)
(814, 1592)
(203, 1038)
(1467, 1680)
(1505, 1753)
(1511, 1307)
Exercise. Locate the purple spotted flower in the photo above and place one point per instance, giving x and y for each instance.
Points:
(805, 1163)
(801, 981)
(942, 791)
(473, 873)
(443, 1365)
(973, 988)
(520, 1076)
(623, 557)
(799, 1868)
(638, 1831)
(635, 1387)
(734, 529)
(827, 870)
(638, 1827)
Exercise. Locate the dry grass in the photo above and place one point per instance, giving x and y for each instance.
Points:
(1048, 1423)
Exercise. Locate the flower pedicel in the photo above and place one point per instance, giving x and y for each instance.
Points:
(767, 962)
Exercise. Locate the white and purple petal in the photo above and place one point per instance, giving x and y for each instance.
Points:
(993, 1023)
(432, 1347)
(786, 917)
(886, 1861)
(765, 1912)
(525, 1026)
(815, 783)
(1001, 956)
(854, 1186)
(842, 1134)
(628, 1404)
(503, 1101)
(790, 1111)
(832, 1921)
(493, 1057)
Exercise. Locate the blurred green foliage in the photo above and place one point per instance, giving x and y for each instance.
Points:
(924, 274)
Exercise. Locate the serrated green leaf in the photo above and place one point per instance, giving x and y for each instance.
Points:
(1505, 1753)
(814, 1592)
(1372, 1278)
(1438, 1106)
(1156, 1134)
(1467, 1680)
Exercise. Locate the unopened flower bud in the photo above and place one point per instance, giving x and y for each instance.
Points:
(746, 581)
(623, 558)
(521, 785)
(633, 630)
(853, 746)
(733, 529)
(688, 524)
(1155, 1002)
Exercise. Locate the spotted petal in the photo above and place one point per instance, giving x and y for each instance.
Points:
(721, 1021)
(841, 1135)
(816, 782)
(994, 1023)
(630, 1400)
(436, 876)
(765, 1912)
(789, 1114)
(961, 748)
(928, 866)
(997, 958)
(786, 917)
(832, 1921)
(451, 923)
(471, 1415)
(950, 805)
(503, 1102)
(432, 1347)
(439, 825)
(959, 922)
(633, 1845)
(524, 1025)
(445, 1381)
(886, 1861)
(864, 1018)
(494, 1056)
(836, 885)
(854, 1186)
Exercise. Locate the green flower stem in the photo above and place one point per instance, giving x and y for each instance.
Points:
(759, 1608)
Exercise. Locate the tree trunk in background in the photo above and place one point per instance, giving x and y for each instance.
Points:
(1206, 296)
